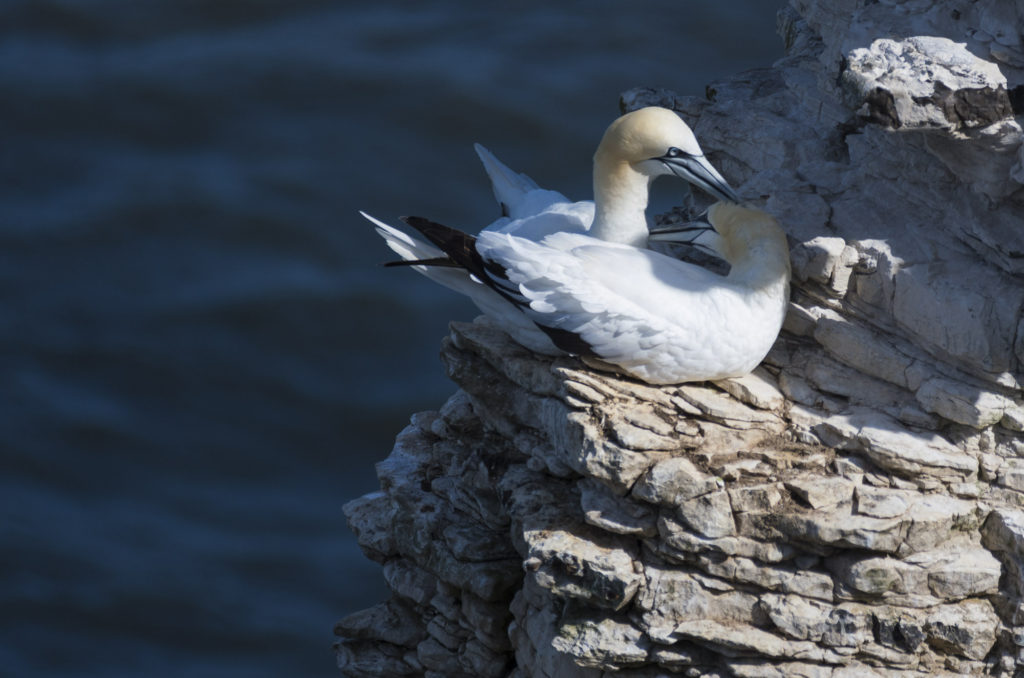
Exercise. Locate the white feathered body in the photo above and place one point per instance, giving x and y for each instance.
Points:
(651, 316)
(657, 318)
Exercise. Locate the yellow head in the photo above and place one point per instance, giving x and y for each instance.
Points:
(655, 141)
(747, 232)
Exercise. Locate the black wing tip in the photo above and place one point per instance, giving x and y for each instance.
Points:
(442, 236)
(570, 342)
(417, 222)
(461, 250)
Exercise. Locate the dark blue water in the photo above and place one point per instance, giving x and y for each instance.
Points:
(201, 358)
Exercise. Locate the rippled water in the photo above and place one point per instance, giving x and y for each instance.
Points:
(201, 357)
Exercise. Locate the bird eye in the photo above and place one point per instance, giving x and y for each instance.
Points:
(674, 152)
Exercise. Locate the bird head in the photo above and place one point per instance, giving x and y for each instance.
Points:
(745, 230)
(656, 142)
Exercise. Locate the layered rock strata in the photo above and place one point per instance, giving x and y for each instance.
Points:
(852, 508)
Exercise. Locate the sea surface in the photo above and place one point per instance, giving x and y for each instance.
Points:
(201, 357)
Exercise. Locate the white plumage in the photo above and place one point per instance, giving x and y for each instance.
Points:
(657, 318)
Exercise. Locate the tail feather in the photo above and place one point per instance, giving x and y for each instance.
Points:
(425, 258)
(461, 249)
(452, 260)
(403, 244)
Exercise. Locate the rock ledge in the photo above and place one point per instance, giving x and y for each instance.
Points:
(854, 506)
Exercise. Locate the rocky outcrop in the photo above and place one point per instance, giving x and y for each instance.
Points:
(854, 506)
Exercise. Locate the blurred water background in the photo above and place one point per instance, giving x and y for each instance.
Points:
(201, 357)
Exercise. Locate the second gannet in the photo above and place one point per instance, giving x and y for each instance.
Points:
(615, 305)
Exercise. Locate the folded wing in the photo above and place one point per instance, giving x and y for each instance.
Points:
(657, 317)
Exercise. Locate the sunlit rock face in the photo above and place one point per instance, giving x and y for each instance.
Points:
(853, 507)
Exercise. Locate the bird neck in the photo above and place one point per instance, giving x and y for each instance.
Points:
(620, 202)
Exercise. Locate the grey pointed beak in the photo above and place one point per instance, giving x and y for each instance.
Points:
(698, 171)
(684, 233)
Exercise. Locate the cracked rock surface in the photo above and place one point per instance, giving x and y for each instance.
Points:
(851, 508)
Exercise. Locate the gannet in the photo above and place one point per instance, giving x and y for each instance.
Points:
(636, 149)
(616, 306)
(577, 278)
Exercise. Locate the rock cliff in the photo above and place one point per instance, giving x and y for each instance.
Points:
(853, 507)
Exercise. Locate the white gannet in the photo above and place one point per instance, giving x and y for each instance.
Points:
(620, 307)
(577, 278)
(635, 150)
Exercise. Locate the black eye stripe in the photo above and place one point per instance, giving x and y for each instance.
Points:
(674, 152)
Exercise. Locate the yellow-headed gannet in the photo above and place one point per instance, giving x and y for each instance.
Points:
(620, 307)
(636, 149)
(577, 278)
